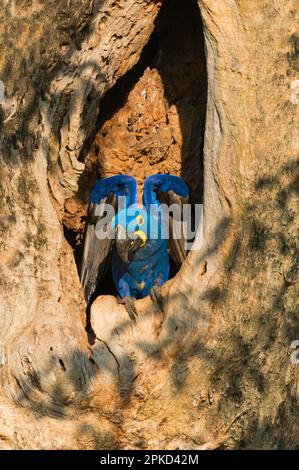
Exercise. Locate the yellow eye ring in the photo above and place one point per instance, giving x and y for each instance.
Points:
(140, 220)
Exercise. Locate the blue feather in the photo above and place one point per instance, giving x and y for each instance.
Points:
(149, 265)
(121, 185)
(163, 183)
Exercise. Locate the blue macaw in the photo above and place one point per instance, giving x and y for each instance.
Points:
(140, 251)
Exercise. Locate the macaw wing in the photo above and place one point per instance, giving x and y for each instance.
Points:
(177, 240)
(96, 250)
(95, 259)
(170, 190)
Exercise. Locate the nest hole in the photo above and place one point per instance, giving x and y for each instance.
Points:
(151, 121)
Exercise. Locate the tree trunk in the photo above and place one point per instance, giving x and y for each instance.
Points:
(214, 368)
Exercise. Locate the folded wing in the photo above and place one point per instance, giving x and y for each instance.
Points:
(170, 190)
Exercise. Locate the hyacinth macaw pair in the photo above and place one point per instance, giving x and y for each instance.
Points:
(138, 252)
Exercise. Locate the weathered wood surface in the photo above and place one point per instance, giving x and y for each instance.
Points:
(220, 354)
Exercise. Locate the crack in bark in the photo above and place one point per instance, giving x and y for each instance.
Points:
(112, 354)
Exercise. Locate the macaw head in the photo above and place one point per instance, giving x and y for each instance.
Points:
(131, 227)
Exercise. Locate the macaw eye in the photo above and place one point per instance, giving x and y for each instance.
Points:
(140, 220)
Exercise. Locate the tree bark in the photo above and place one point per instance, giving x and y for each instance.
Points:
(214, 368)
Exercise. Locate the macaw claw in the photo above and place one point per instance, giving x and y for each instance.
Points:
(156, 297)
(129, 304)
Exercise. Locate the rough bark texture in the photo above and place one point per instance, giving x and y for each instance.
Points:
(214, 368)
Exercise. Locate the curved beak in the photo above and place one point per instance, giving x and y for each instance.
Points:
(127, 246)
(123, 249)
(123, 243)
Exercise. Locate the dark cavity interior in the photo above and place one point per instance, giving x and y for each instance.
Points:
(152, 120)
